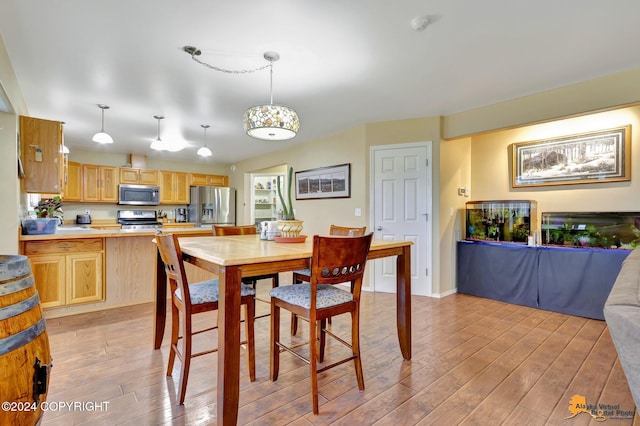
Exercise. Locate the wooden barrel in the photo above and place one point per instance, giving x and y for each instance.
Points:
(24, 346)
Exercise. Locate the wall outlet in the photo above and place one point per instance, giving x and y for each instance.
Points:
(358, 211)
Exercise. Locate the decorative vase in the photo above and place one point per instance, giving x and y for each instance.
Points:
(289, 228)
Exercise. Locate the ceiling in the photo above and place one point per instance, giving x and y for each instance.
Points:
(342, 63)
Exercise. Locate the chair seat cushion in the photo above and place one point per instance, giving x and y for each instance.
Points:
(207, 291)
(300, 294)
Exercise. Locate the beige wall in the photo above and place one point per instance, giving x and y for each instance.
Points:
(491, 176)
(9, 185)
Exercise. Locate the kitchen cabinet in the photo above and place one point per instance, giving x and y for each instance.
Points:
(138, 176)
(174, 187)
(99, 183)
(67, 272)
(200, 179)
(72, 182)
(41, 155)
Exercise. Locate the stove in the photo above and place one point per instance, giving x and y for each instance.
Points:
(138, 219)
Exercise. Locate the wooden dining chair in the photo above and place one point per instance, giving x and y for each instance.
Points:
(219, 230)
(190, 299)
(304, 275)
(334, 260)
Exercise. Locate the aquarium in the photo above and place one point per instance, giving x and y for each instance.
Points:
(502, 220)
(617, 230)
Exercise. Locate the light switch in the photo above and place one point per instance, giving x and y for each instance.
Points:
(358, 212)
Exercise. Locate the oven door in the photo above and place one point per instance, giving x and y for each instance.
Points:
(139, 195)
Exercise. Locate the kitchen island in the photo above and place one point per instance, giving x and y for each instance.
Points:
(80, 270)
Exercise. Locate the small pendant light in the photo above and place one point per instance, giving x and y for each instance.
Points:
(102, 136)
(158, 144)
(204, 151)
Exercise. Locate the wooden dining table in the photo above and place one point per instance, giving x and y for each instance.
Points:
(233, 257)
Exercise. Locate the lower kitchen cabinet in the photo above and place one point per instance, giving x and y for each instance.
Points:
(67, 272)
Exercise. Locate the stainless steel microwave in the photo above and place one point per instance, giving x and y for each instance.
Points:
(139, 195)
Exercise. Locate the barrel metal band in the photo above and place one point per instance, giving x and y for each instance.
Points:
(16, 286)
(18, 308)
(20, 339)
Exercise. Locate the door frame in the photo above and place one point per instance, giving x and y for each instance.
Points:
(429, 189)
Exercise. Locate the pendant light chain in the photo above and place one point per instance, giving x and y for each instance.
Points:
(224, 70)
(271, 82)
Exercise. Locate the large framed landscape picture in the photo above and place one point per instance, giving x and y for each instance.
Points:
(594, 157)
(324, 182)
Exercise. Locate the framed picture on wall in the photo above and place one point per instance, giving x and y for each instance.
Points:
(324, 182)
(594, 157)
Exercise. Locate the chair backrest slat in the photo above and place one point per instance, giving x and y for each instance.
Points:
(234, 230)
(347, 231)
(337, 259)
(171, 255)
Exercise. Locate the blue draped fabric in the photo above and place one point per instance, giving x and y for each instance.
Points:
(573, 281)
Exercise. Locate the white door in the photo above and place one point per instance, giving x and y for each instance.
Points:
(401, 210)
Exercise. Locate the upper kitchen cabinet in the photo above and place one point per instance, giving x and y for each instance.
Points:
(174, 187)
(198, 179)
(138, 176)
(72, 182)
(41, 155)
(99, 183)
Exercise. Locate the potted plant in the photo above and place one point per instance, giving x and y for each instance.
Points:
(289, 227)
(48, 214)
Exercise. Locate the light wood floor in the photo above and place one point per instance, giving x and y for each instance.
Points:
(475, 362)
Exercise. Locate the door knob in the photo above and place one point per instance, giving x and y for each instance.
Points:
(379, 228)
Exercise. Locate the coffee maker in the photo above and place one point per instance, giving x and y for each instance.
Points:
(181, 215)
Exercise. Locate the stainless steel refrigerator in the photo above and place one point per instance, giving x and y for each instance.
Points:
(212, 205)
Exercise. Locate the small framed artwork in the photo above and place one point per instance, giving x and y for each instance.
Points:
(594, 157)
(324, 182)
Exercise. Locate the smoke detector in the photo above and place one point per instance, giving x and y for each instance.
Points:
(419, 23)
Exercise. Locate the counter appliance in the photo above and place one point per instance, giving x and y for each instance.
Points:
(212, 205)
(181, 215)
(138, 219)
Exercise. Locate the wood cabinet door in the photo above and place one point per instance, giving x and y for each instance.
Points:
(129, 176)
(217, 180)
(73, 182)
(41, 154)
(49, 274)
(85, 281)
(198, 179)
(148, 177)
(181, 194)
(166, 184)
(109, 184)
(90, 182)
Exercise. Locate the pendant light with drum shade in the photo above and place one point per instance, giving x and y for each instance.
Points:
(204, 151)
(102, 136)
(158, 144)
(271, 122)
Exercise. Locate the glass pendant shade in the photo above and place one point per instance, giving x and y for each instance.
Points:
(271, 122)
(157, 145)
(102, 136)
(204, 152)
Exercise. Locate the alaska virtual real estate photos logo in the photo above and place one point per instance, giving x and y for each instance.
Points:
(599, 412)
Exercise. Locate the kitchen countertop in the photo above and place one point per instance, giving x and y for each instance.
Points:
(75, 231)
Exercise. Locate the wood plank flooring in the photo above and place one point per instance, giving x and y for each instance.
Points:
(475, 362)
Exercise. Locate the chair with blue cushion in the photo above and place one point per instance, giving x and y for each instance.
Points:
(219, 230)
(190, 299)
(304, 275)
(335, 260)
